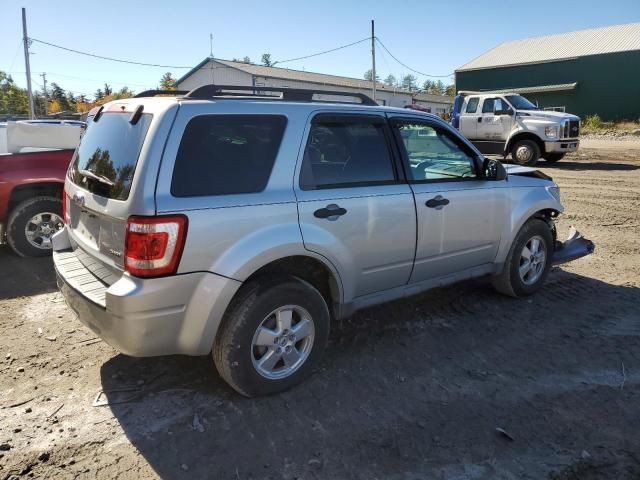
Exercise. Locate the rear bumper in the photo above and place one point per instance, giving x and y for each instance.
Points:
(563, 146)
(179, 314)
(576, 246)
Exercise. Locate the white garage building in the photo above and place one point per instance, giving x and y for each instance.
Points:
(226, 72)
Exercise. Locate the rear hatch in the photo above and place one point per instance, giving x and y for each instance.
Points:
(102, 175)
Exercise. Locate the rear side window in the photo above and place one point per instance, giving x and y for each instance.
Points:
(106, 159)
(226, 154)
(472, 105)
(345, 151)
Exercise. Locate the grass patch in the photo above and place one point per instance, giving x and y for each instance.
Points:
(594, 124)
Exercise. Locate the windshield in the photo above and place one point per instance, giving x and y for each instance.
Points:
(106, 158)
(520, 103)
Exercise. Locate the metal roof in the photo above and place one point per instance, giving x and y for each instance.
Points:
(563, 46)
(311, 77)
(429, 97)
(559, 87)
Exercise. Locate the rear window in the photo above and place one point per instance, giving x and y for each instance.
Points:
(106, 159)
(226, 154)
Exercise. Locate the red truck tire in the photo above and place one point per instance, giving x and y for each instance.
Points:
(31, 225)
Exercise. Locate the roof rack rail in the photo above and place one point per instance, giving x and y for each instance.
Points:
(153, 93)
(206, 92)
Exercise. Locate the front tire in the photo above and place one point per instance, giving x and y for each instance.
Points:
(528, 261)
(31, 225)
(525, 152)
(553, 157)
(272, 336)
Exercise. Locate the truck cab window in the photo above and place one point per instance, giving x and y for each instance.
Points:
(472, 105)
(488, 106)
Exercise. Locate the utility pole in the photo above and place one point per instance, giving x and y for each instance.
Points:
(211, 55)
(373, 59)
(25, 39)
(46, 95)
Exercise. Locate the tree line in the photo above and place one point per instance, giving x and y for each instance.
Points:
(14, 100)
(410, 82)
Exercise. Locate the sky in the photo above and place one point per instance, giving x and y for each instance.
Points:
(428, 36)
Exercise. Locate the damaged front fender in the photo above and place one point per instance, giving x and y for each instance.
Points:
(574, 247)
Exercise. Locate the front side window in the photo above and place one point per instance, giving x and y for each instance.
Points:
(226, 154)
(435, 154)
(472, 105)
(488, 106)
(346, 151)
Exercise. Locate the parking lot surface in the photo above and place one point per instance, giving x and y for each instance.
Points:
(457, 383)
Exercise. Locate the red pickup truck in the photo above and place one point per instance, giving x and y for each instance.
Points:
(31, 199)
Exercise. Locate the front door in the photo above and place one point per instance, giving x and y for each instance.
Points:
(491, 126)
(470, 117)
(353, 207)
(460, 215)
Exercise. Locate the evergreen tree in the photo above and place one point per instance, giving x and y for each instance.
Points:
(266, 60)
(390, 81)
(408, 82)
(167, 82)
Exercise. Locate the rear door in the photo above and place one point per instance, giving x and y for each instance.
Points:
(353, 206)
(469, 118)
(460, 215)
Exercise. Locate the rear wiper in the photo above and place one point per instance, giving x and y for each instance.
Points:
(95, 176)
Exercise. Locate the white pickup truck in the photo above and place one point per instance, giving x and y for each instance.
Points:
(508, 123)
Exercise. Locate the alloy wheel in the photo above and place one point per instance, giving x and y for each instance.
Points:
(533, 260)
(41, 227)
(282, 342)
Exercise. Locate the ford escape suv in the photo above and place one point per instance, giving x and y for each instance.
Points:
(242, 223)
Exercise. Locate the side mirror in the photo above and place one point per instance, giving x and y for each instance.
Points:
(508, 111)
(493, 170)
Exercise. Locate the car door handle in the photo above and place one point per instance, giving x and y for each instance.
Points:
(479, 119)
(330, 212)
(437, 201)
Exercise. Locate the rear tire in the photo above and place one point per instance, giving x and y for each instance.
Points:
(525, 270)
(525, 152)
(272, 335)
(31, 225)
(553, 157)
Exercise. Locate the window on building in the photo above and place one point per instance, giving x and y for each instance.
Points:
(472, 105)
(226, 154)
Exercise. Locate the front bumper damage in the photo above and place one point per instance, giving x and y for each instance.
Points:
(574, 247)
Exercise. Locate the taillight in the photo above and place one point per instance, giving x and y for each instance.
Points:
(153, 245)
(65, 207)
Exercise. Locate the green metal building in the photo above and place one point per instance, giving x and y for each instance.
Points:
(595, 71)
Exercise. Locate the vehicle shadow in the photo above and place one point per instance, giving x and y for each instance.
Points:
(586, 166)
(411, 389)
(25, 276)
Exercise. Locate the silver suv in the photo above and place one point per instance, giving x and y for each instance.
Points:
(242, 223)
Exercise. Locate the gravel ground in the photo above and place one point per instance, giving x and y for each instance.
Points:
(414, 389)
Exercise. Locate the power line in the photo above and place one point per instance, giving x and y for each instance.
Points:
(105, 58)
(407, 66)
(322, 53)
(15, 55)
(54, 74)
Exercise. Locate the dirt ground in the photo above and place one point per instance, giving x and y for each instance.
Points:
(410, 390)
